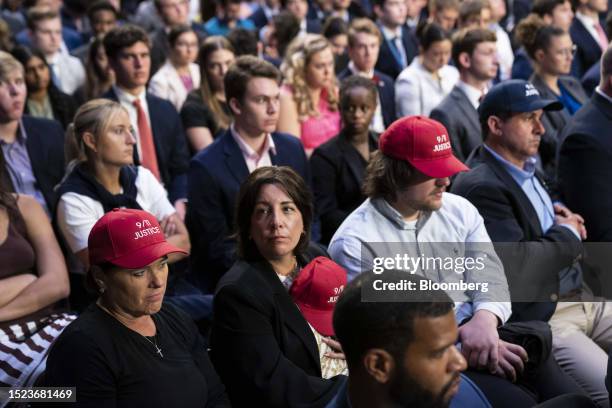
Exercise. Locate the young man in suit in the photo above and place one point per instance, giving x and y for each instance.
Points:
(215, 174)
(475, 54)
(32, 149)
(588, 34)
(399, 44)
(67, 72)
(512, 198)
(160, 140)
(364, 40)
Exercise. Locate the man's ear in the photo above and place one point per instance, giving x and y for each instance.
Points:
(464, 60)
(494, 124)
(379, 364)
(539, 54)
(235, 106)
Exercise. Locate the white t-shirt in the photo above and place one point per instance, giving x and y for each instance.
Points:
(77, 213)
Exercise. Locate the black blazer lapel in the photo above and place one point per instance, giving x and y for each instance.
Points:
(517, 191)
(351, 157)
(233, 158)
(291, 314)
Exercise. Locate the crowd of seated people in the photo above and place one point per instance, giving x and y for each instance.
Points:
(194, 195)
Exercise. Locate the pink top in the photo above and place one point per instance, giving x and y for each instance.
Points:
(317, 130)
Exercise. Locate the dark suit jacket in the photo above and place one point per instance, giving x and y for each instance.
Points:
(261, 345)
(170, 144)
(585, 167)
(337, 174)
(509, 216)
(555, 121)
(387, 63)
(63, 106)
(386, 93)
(588, 51)
(313, 26)
(45, 146)
(521, 67)
(259, 18)
(591, 78)
(459, 117)
(215, 175)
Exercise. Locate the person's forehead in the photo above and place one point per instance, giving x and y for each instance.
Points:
(138, 47)
(260, 86)
(49, 23)
(431, 333)
(104, 15)
(366, 38)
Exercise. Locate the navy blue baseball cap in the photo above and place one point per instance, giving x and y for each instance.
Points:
(515, 96)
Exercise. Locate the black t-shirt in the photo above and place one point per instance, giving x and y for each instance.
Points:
(196, 113)
(113, 366)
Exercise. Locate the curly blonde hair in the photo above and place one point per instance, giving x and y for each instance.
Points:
(298, 56)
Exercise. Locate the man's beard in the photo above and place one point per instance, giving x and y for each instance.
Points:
(406, 392)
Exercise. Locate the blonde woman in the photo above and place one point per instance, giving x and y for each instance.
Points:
(205, 112)
(309, 96)
(100, 148)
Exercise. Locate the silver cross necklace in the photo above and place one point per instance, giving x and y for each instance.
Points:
(154, 343)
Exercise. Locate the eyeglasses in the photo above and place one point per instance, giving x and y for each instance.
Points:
(567, 52)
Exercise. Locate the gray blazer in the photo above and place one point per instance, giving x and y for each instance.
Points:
(555, 121)
(459, 117)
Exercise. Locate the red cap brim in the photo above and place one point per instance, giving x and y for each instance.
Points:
(440, 168)
(321, 320)
(146, 256)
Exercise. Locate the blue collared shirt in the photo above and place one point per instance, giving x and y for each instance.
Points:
(19, 167)
(533, 189)
(569, 278)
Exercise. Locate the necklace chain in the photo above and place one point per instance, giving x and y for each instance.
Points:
(154, 343)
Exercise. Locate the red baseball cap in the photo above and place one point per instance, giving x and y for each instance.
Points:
(129, 239)
(316, 290)
(422, 142)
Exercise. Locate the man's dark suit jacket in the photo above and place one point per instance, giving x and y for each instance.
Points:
(460, 119)
(337, 174)
(386, 93)
(591, 78)
(521, 67)
(588, 51)
(170, 144)
(387, 63)
(45, 146)
(261, 345)
(509, 216)
(215, 175)
(585, 167)
(259, 18)
(555, 121)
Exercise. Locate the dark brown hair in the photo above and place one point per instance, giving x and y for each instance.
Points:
(385, 176)
(242, 71)
(466, 41)
(123, 37)
(292, 184)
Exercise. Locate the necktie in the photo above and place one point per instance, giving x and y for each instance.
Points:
(54, 78)
(147, 146)
(396, 49)
(603, 39)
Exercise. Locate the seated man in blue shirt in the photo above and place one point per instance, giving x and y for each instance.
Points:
(228, 18)
(401, 353)
(512, 198)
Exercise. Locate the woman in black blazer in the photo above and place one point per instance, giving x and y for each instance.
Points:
(261, 346)
(552, 52)
(338, 165)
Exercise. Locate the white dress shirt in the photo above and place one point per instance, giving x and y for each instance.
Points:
(68, 70)
(253, 159)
